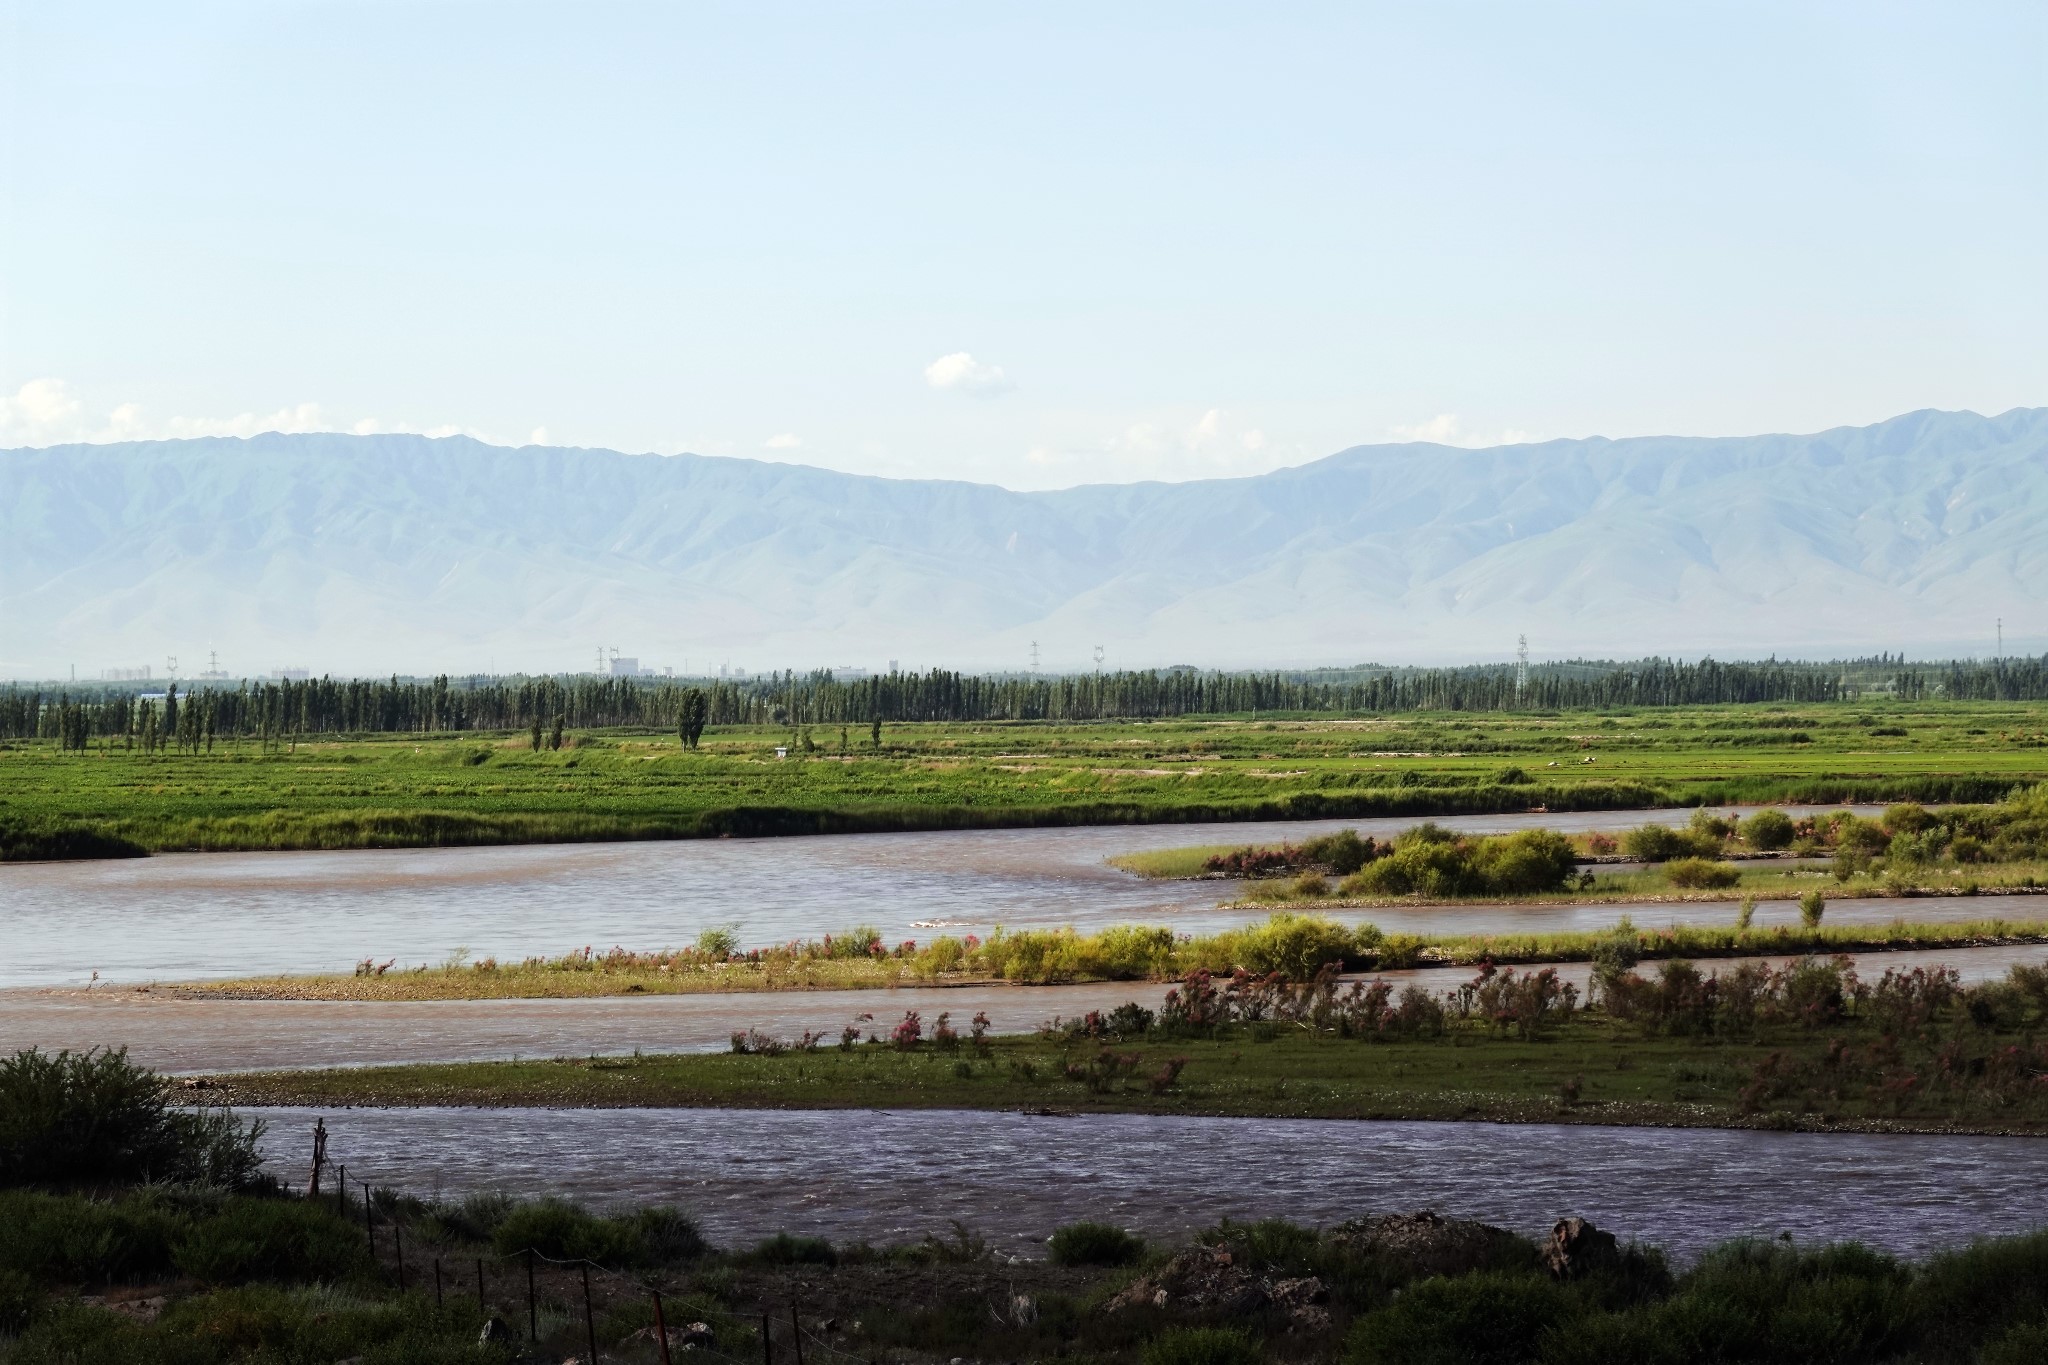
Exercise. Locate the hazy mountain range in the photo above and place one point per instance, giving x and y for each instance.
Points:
(375, 553)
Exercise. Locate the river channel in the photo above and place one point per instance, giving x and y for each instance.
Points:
(191, 916)
(895, 1176)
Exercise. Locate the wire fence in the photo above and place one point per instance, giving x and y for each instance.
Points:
(800, 1345)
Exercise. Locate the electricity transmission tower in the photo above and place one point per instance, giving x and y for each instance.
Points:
(1098, 658)
(1521, 666)
(1034, 656)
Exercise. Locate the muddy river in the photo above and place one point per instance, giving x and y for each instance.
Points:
(884, 1176)
(187, 916)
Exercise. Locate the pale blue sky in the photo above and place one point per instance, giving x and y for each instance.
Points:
(1175, 239)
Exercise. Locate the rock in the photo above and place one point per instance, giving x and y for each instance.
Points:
(691, 1336)
(496, 1333)
(1577, 1248)
(1208, 1279)
(1023, 1310)
(1427, 1243)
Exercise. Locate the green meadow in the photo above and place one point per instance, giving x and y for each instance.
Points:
(478, 788)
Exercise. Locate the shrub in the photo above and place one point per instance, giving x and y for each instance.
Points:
(51, 1237)
(1812, 906)
(19, 1300)
(1343, 853)
(1429, 861)
(1202, 1346)
(1512, 776)
(557, 1228)
(271, 1239)
(1476, 1319)
(1768, 831)
(783, 1249)
(96, 1118)
(1661, 843)
(1094, 1244)
(1700, 873)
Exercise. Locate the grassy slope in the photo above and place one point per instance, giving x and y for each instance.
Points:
(1625, 1078)
(397, 791)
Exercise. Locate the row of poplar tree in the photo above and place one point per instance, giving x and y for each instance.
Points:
(277, 711)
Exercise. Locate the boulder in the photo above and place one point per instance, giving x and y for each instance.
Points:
(1576, 1248)
(1427, 1243)
(496, 1333)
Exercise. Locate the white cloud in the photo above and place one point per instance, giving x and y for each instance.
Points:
(787, 440)
(302, 417)
(41, 411)
(960, 372)
(1447, 429)
(47, 412)
(1212, 444)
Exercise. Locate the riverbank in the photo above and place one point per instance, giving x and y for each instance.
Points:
(1859, 1073)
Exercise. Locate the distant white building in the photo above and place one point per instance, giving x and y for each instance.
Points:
(625, 668)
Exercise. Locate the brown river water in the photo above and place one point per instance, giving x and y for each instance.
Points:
(188, 916)
(887, 1176)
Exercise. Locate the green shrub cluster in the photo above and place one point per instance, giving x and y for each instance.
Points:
(95, 1118)
(1432, 861)
(1088, 1243)
(563, 1231)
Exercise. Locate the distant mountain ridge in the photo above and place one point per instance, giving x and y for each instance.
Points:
(375, 553)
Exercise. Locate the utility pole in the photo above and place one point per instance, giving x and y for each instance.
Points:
(2001, 637)
(1521, 666)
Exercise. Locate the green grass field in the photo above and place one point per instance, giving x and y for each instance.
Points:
(479, 788)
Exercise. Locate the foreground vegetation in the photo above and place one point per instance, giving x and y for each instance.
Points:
(274, 790)
(1809, 1044)
(229, 1266)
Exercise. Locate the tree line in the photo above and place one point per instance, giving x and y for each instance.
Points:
(279, 712)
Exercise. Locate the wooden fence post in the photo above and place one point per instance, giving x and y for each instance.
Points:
(532, 1313)
(767, 1347)
(661, 1329)
(589, 1322)
(437, 1282)
(796, 1332)
(479, 1282)
(398, 1248)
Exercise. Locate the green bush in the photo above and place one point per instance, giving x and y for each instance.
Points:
(1661, 843)
(1296, 946)
(1768, 831)
(1700, 873)
(69, 1237)
(1428, 861)
(784, 1249)
(1201, 1346)
(1476, 1319)
(560, 1229)
(271, 1239)
(1094, 1244)
(19, 1300)
(1343, 853)
(95, 1118)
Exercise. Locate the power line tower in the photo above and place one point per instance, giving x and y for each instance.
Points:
(1034, 656)
(1098, 658)
(1521, 666)
(2001, 637)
